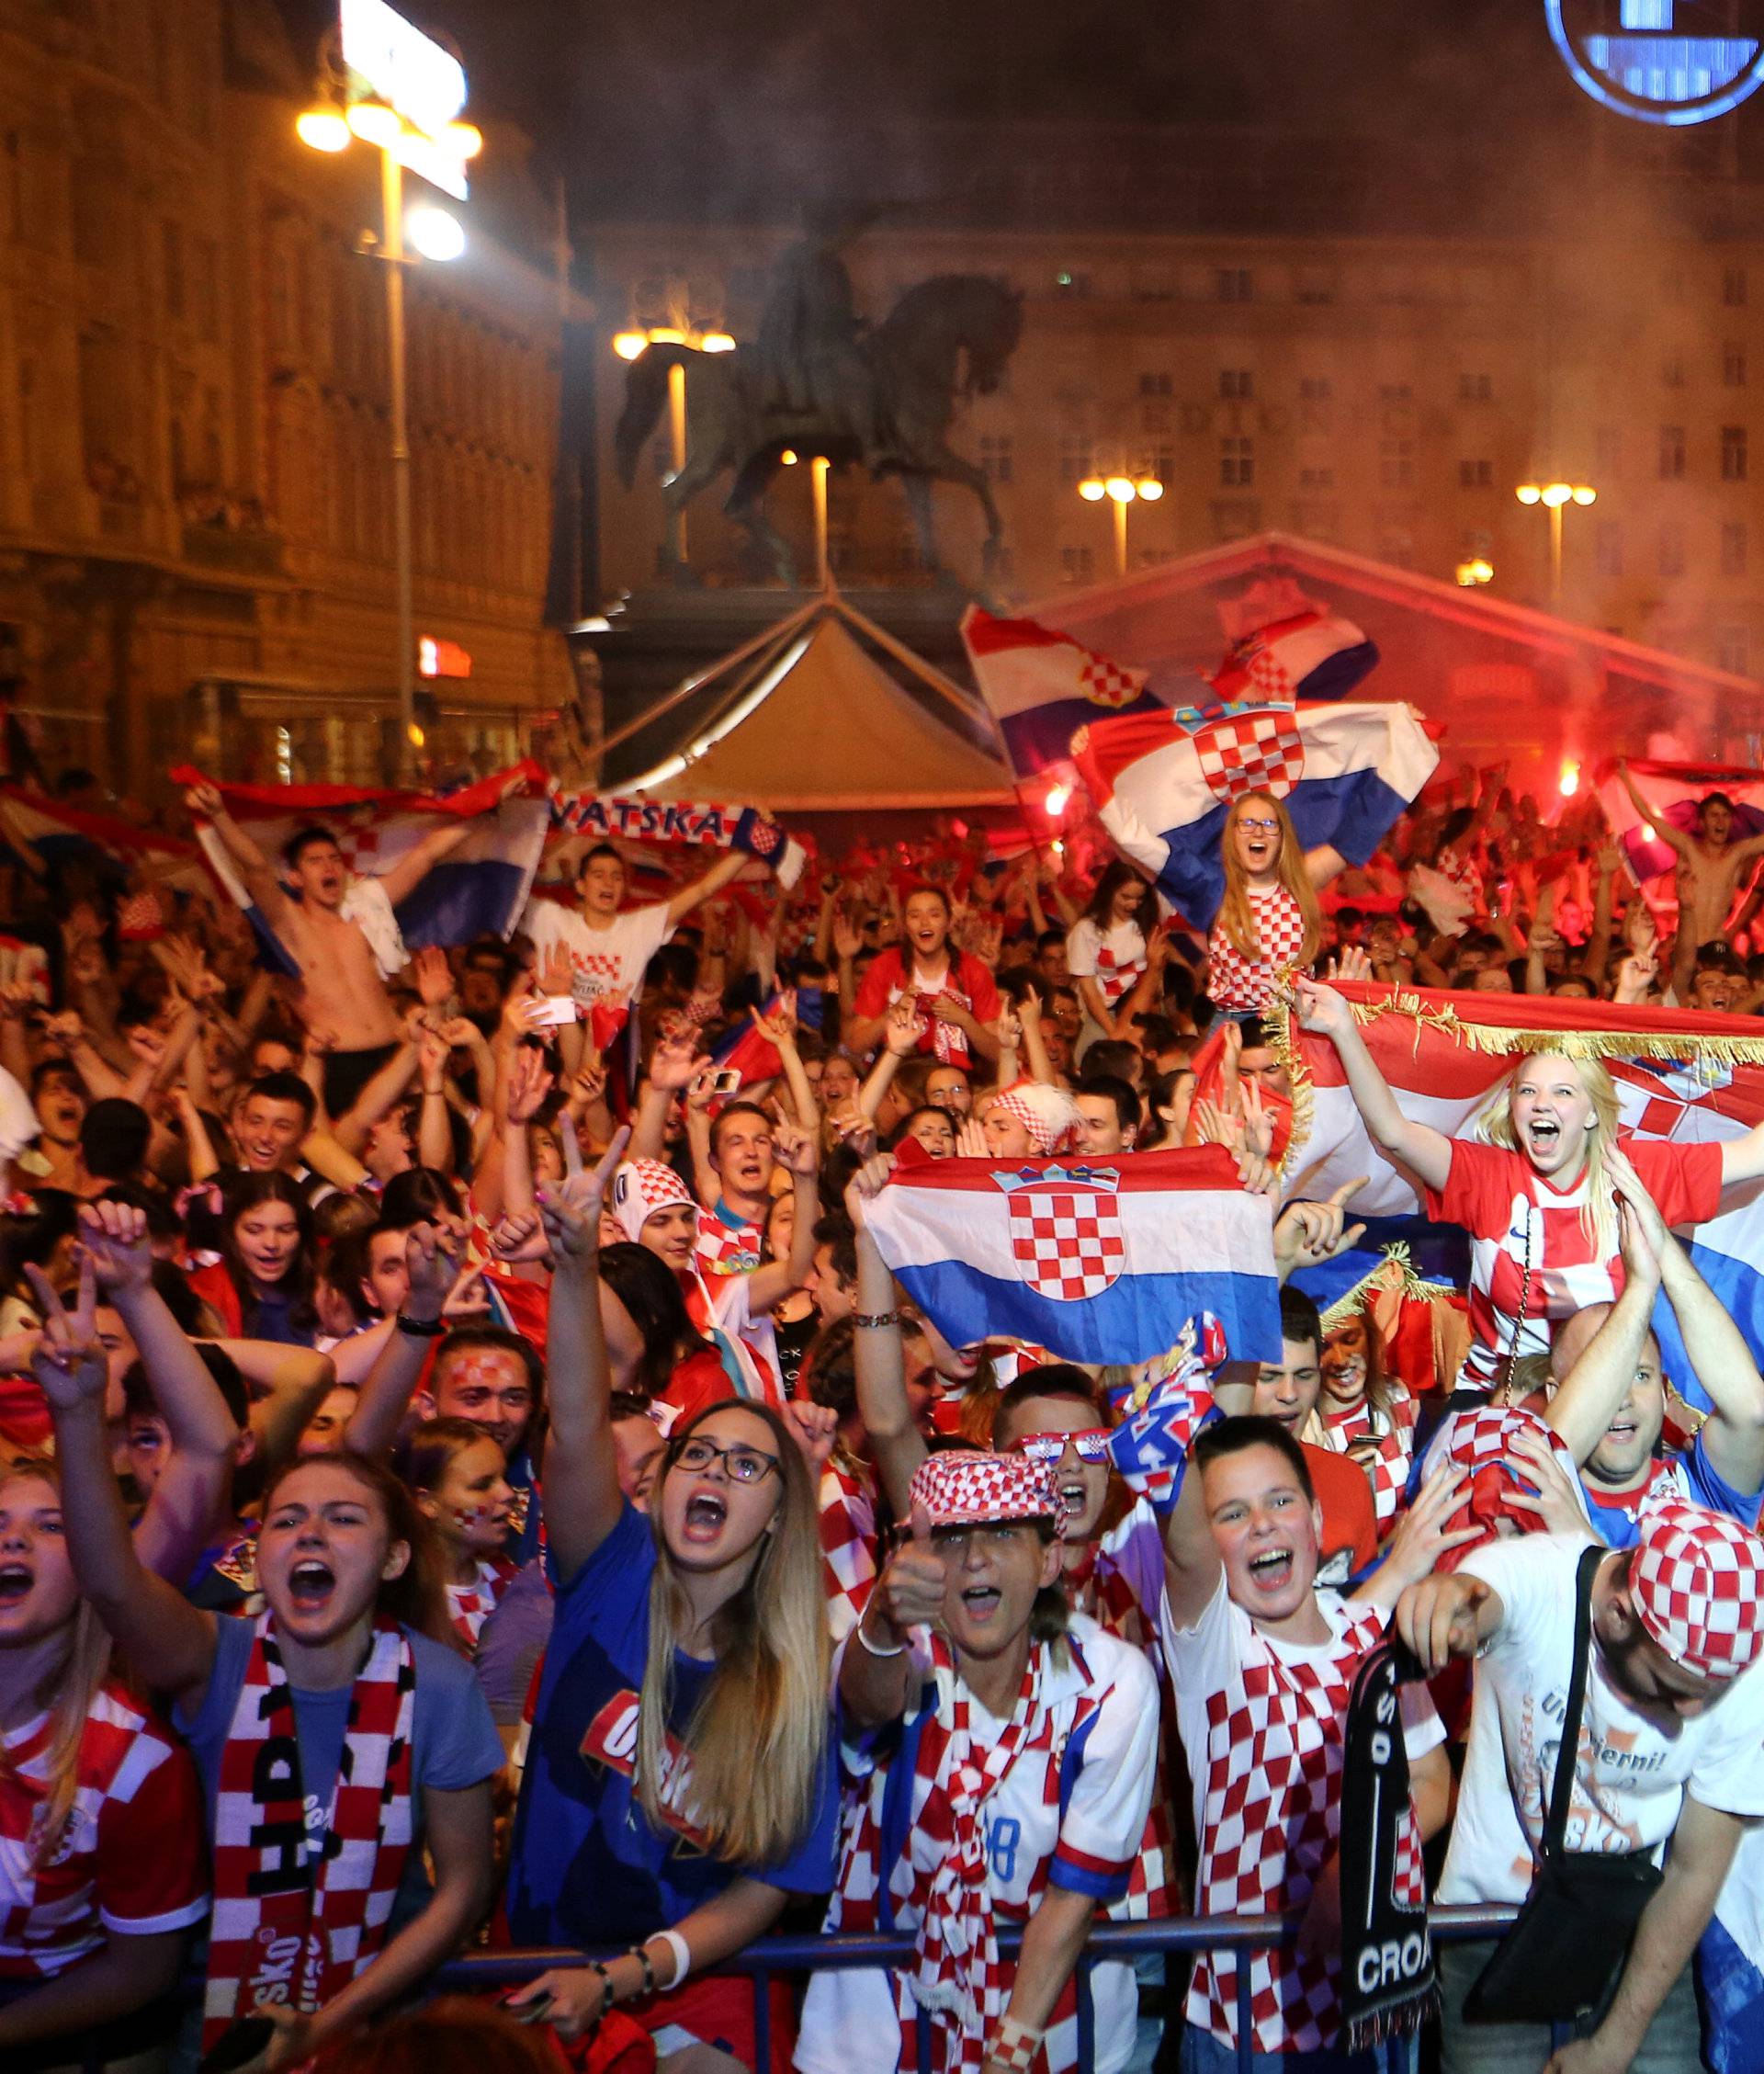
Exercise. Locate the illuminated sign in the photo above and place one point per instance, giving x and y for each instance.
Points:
(1673, 62)
(417, 76)
(437, 658)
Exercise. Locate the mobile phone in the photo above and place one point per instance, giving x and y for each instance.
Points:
(551, 1010)
(724, 1080)
(535, 2012)
(238, 2045)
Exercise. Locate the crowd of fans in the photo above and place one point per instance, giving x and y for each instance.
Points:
(472, 1479)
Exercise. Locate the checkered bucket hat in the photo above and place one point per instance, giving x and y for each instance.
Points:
(959, 1487)
(1698, 1584)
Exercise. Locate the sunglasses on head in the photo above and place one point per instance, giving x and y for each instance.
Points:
(1093, 1445)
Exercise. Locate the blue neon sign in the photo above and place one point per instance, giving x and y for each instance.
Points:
(1674, 62)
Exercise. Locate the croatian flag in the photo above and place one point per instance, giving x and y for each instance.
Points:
(1101, 1263)
(1284, 647)
(44, 832)
(1040, 685)
(1676, 793)
(1684, 1076)
(1163, 783)
(477, 889)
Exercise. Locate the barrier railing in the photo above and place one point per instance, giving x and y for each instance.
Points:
(768, 1957)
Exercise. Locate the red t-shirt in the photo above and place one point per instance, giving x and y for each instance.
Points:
(696, 1383)
(1496, 1194)
(969, 981)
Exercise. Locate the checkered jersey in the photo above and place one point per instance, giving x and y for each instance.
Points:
(129, 1859)
(1067, 1810)
(1263, 1726)
(1341, 1430)
(469, 1605)
(847, 1543)
(727, 1248)
(1236, 981)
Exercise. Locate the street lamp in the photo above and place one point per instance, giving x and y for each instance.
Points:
(1554, 497)
(401, 91)
(680, 331)
(1121, 491)
(1476, 570)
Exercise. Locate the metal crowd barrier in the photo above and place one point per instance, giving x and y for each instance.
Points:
(770, 1956)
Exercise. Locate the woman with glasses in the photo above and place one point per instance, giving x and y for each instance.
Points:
(1268, 920)
(679, 1781)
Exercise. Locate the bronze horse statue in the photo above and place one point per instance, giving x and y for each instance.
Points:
(945, 339)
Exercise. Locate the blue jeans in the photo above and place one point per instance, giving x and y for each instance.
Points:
(1205, 2054)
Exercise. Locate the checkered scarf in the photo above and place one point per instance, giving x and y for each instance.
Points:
(958, 1974)
(1698, 1584)
(949, 1040)
(285, 1929)
(469, 1605)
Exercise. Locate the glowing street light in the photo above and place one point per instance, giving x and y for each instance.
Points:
(1475, 572)
(436, 233)
(1555, 497)
(1122, 492)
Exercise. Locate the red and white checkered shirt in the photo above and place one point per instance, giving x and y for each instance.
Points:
(129, 1861)
(847, 1543)
(1236, 981)
(1263, 1722)
(723, 1248)
(1394, 1435)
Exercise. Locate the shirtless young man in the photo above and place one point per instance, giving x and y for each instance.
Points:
(340, 931)
(1710, 867)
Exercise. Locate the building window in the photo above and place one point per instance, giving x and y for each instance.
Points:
(1076, 565)
(1671, 453)
(995, 456)
(1317, 479)
(1236, 384)
(1672, 554)
(1315, 389)
(1237, 463)
(1733, 364)
(1074, 458)
(1475, 475)
(1733, 650)
(1154, 384)
(1733, 550)
(1733, 453)
(1236, 284)
(1476, 389)
(1608, 549)
(1733, 287)
(1396, 464)
(1163, 464)
(1608, 450)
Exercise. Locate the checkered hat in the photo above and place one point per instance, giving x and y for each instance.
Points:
(1698, 1584)
(959, 1487)
(1048, 1114)
(641, 1187)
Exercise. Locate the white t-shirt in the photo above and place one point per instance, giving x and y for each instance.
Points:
(1113, 957)
(1049, 1820)
(1635, 1767)
(609, 963)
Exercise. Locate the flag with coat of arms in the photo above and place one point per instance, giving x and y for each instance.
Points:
(1164, 782)
(1103, 1263)
(1285, 646)
(1685, 1077)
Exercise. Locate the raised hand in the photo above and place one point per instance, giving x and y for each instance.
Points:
(1321, 1008)
(910, 1592)
(1558, 1502)
(779, 1028)
(1641, 1229)
(204, 801)
(113, 1237)
(1350, 963)
(853, 1127)
(1309, 1234)
(433, 978)
(848, 938)
(68, 1364)
(869, 1180)
(905, 1027)
(676, 1062)
(571, 1212)
(432, 1253)
(432, 1051)
(1421, 1538)
(557, 972)
(520, 1235)
(529, 1084)
(1437, 1618)
(814, 1428)
(1008, 1029)
(794, 1149)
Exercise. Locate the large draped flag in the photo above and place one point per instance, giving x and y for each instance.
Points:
(477, 889)
(43, 833)
(1163, 783)
(1676, 793)
(1095, 1263)
(1285, 646)
(1040, 685)
(1688, 1078)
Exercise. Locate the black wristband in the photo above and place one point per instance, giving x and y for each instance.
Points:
(422, 1328)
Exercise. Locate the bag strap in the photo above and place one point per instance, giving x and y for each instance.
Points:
(1567, 1751)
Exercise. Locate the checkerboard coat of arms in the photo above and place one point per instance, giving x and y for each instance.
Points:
(1065, 1235)
(1255, 751)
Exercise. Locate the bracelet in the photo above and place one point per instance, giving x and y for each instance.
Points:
(1017, 2044)
(899, 1649)
(876, 1320)
(422, 1328)
(606, 1988)
(682, 1953)
(640, 1954)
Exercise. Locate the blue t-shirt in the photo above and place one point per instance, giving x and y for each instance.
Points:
(588, 1866)
(453, 1743)
(1616, 1517)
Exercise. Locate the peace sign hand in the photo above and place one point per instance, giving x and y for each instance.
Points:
(69, 1363)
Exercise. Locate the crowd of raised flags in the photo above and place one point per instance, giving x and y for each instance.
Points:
(579, 1376)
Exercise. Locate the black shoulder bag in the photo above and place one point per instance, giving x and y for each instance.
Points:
(1573, 1933)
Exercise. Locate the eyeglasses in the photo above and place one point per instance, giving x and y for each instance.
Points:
(1258, 827)
(742, 1465)
(1093, 1445)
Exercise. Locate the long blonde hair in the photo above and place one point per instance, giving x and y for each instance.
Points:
(1237, 917)
(1494, 1122)
(68, 1693)
(757, 1736)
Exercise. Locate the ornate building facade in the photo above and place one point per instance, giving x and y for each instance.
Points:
(196, 540)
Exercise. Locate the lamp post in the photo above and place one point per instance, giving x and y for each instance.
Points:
(1122, 491)
(1556, 497)
(680, 331)
(401, 91)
